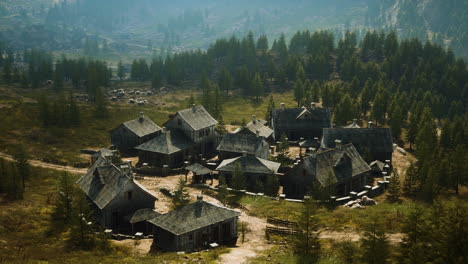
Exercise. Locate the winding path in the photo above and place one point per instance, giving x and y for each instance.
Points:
(41, 164)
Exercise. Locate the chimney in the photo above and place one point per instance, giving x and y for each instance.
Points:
(142, 116)
(312, 105)
(282, 106)
(338, 144)
(193, 108)
(199, 198)
(370, 124)
(257, 132)
(254, 119)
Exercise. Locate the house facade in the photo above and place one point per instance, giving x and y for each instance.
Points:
(297, 123)
(198, 126)
(133, 133)
(235, 145)
(114, 193)
(342, 168)
(253, 168)
(195, 226)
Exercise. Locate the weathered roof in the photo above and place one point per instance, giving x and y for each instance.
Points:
(167, 142)
(352, 125)
(341, 163)
(255, 125)
(142, 126)
(105, 180)
(377, 165)
(198, 169)
(249, 164)
(241, 143)
(310, 143)
(197, 117)
(301, 118)
(374, 140)
(193, 217)
(143, 215)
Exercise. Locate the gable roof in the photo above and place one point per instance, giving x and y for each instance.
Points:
(374, 140)
(255, 125)
(249, 164)
(377, 165)
(301, 118)
(197, 117)
(353, 125)
(143, 215)
(168, 142)
(240, 143)
(142, 126)
(198, 169)
(105, 180)
(192, 217)
(321, 164)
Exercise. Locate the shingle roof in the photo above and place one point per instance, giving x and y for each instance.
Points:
(167, 142)
(197, 117)
(310, 143)
(105, 180)
(198, 169)
(249, 164)
(253, 126)
(143, 215)
(352, 125)
(377, 165)
(193, 217)
(374, 140)
(301, 118)
(142, 126)
(322, 163)
(240, 143)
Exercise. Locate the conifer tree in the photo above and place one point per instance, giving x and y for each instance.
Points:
(101, 104)
(366, 97)
(270, 107)
(22, 166)
(257, 86)
(306, 241)
(120, 70)
(344, 110)
(238, 178)
(299, 92)
(394, 189)
(63, 209)
(409, 184)
(223, 192)
(181, 196)
(374, 243)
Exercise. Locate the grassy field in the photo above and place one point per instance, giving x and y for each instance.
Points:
(19, 116)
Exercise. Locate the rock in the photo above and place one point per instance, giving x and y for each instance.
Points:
(357, 206)
(368, 201)
(401, 150)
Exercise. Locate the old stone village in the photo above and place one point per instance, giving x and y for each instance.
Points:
(299, 147)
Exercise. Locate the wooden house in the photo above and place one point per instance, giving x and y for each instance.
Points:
(342, 167)
(371, 142)
(298, 123)
(252, 167)
(195, 226)
(198, 126)
(255, 127)
(133, 133)
(170, 148)
(234, 145)
(114, 193)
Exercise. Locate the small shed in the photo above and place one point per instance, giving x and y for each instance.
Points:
(195, 226)
(199, 172)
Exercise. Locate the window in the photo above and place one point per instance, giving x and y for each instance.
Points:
(129, 195)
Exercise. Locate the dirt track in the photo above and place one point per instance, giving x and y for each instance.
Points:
(38, 163)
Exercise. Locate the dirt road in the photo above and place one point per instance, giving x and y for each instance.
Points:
(38, 163)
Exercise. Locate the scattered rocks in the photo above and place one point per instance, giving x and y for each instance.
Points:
(360, 203)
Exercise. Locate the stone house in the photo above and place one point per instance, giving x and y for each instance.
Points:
(195, 226)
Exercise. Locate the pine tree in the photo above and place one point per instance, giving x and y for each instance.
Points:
(63, 209)
(270, 107)
(7, 71)
(181, 196)
(413, 248)
(374, 243)
(299, 92)
(155, 80)
(22, 166)
(223, 192)
(257, 86)
(394, 189)
(238, 178)
(409, 184)
(120, 70)
(58, 77)
(306, 241)
(344, 111)
(366, 97)
(100, 104)
(396, 122)
(300, 74)
(225, 81)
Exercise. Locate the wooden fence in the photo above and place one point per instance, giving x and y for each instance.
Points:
(281, 222)
(280, 231)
